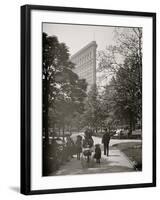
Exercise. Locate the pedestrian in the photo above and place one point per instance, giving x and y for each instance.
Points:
(88, 140)
(78, 146)
(97, 154)
(69, 148)
(88, 144)
(105, 141)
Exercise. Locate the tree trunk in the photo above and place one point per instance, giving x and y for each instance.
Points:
(63, 128)
(130, 127)
(59, 131)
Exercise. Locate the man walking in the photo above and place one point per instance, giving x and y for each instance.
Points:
(105, 141)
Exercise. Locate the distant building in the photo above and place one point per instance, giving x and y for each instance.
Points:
(85, 60)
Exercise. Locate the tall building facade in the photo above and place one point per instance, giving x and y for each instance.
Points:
(85, 63)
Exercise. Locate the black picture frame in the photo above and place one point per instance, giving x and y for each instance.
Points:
(26, 98)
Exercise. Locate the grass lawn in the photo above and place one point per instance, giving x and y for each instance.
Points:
(133, 150)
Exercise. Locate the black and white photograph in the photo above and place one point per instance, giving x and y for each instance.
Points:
(88, 107)
(92, 99)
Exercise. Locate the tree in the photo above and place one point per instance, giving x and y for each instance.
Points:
(63, 91)
(108, 98)
(128, 103)
(128, 45)
(92, 113)
(123, 61)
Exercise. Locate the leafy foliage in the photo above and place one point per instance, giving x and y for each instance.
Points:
(123, 62)
(63, 91)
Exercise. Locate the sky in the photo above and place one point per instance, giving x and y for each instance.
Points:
(77, 36)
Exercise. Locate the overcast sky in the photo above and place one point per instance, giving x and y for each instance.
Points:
(77, 36)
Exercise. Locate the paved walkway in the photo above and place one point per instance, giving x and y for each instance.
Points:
(116, 162)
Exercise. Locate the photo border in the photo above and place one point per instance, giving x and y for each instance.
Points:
(26, 97)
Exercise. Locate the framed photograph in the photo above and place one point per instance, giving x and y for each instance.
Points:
(88, 99)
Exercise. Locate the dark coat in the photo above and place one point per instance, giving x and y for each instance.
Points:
(106, 138)
(88, 141)
(97, 154)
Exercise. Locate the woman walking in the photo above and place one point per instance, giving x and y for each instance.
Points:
(79, 146)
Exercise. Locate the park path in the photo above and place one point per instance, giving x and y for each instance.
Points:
(116, 162)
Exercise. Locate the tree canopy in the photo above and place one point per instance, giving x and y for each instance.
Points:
(123, 62)
(63, 91)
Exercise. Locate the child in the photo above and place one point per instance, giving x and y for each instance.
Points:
(97, 154)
